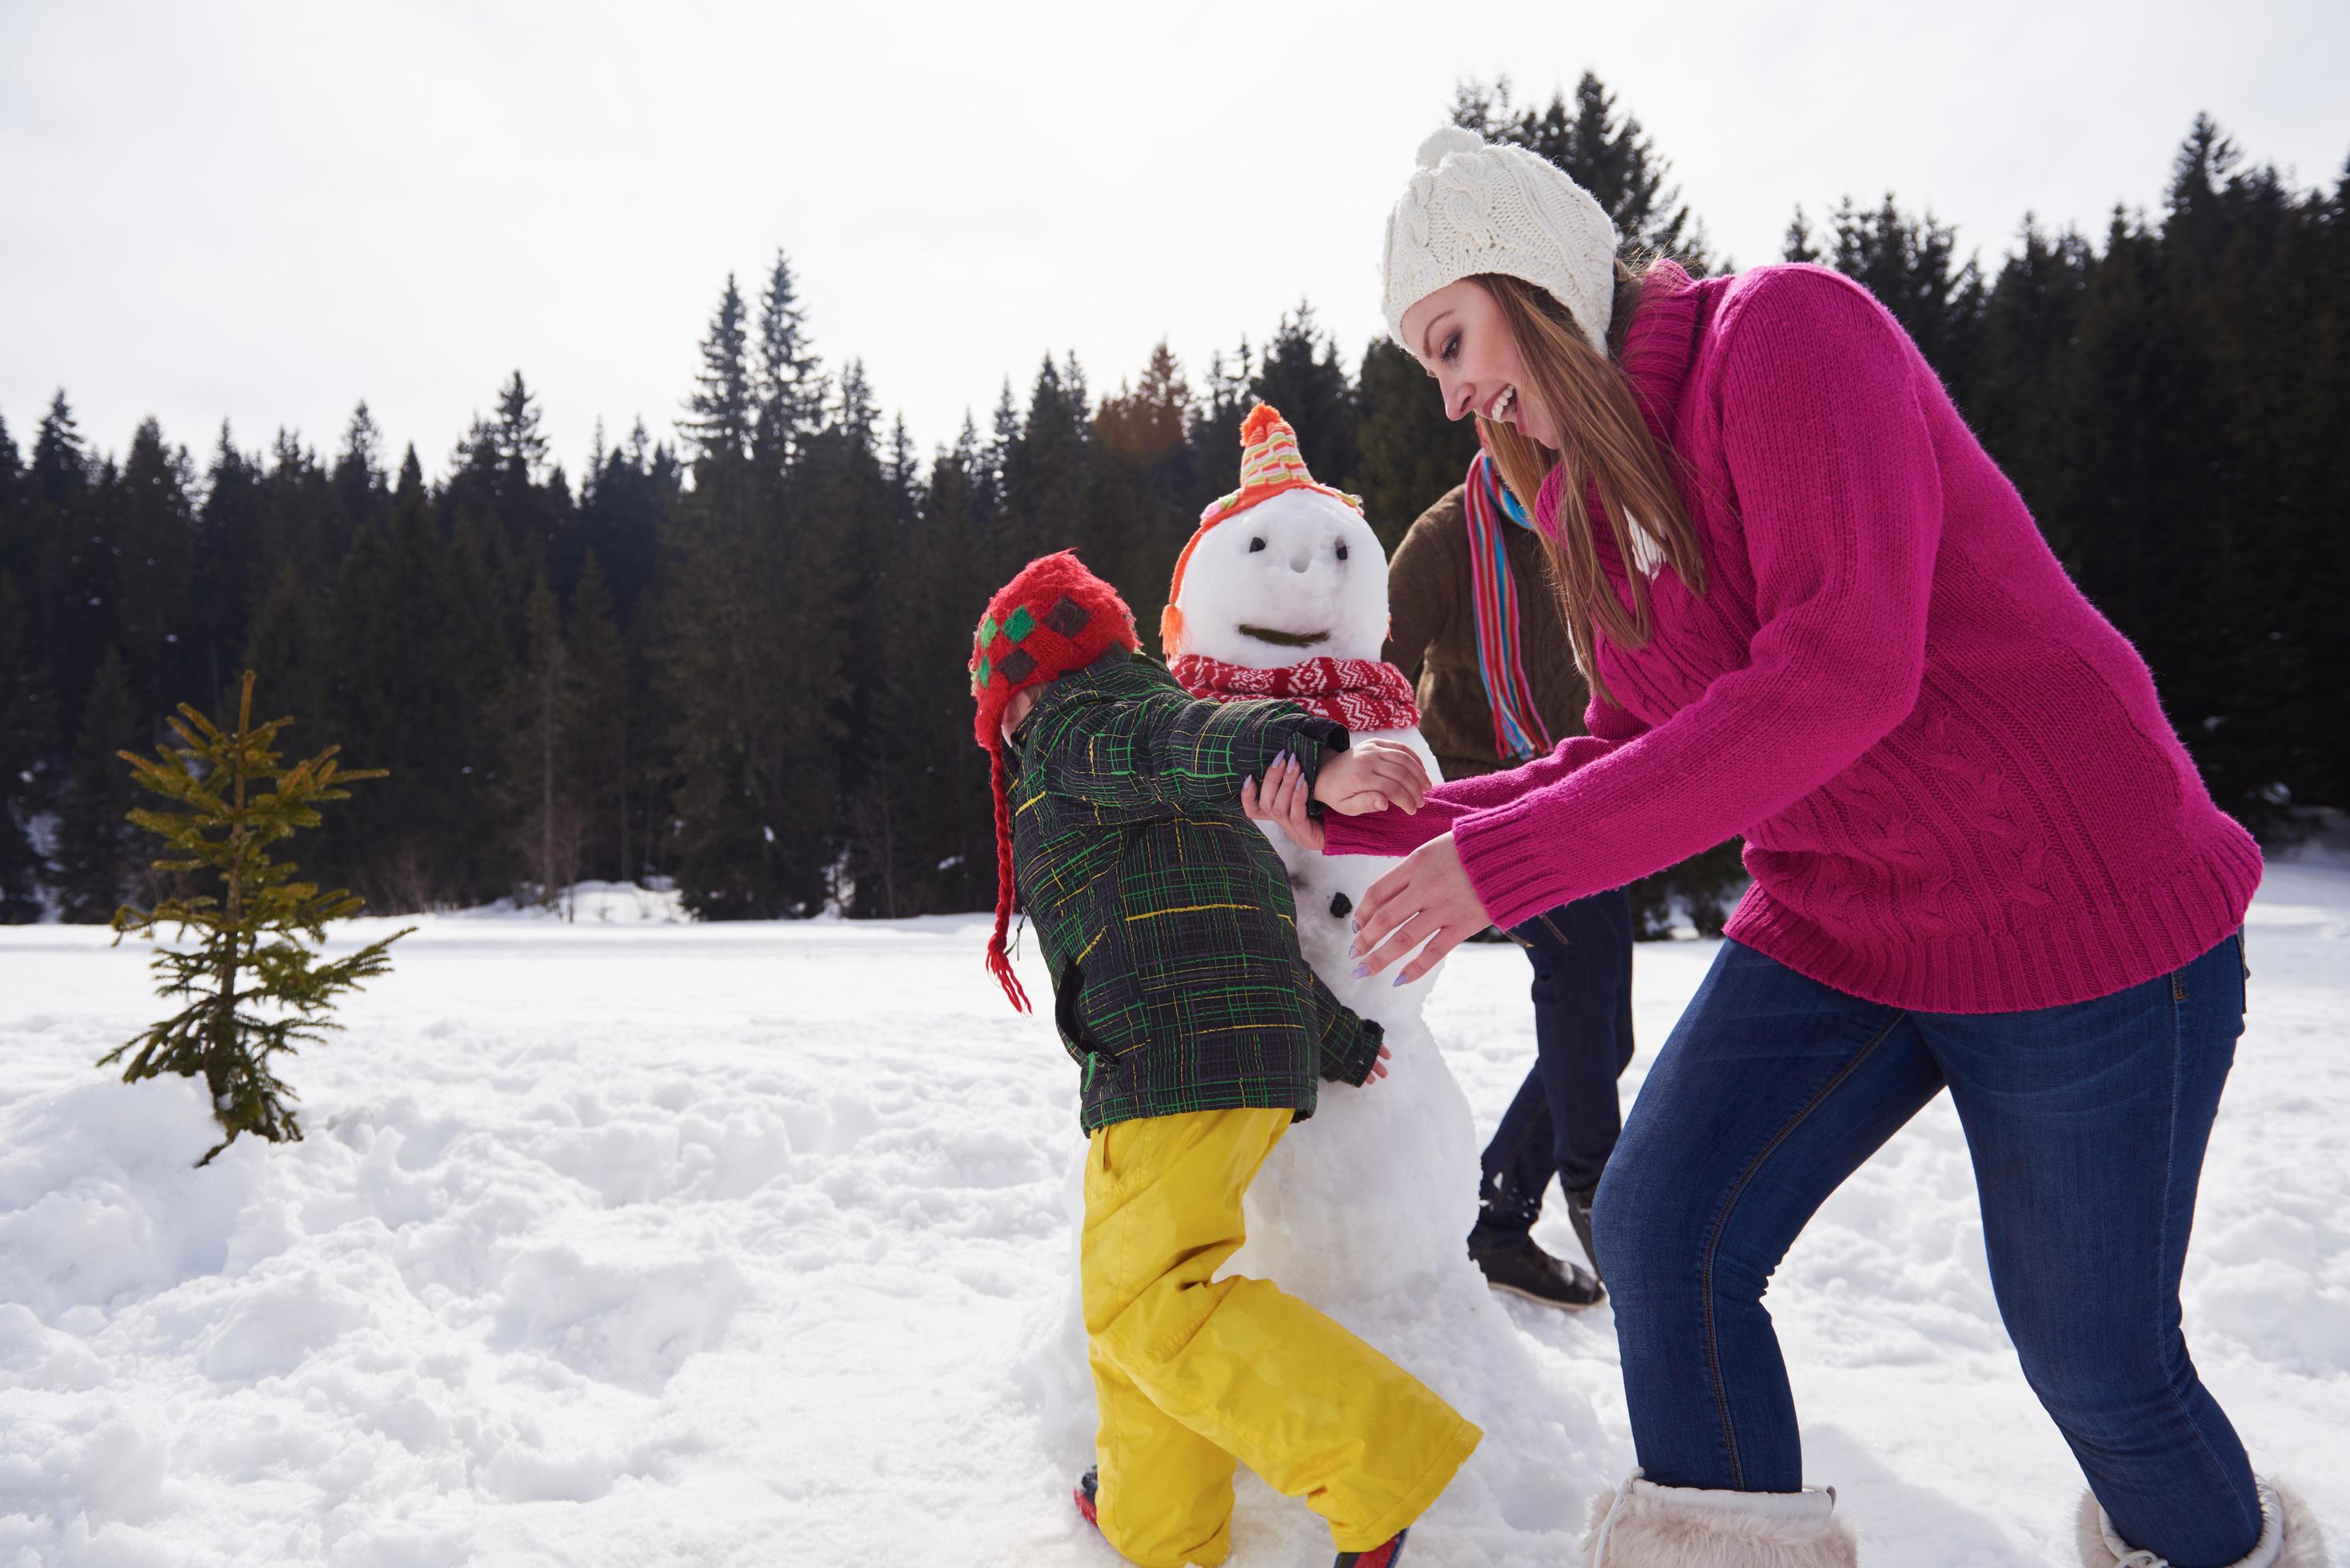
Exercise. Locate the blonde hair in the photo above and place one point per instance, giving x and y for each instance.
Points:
(1608, 451)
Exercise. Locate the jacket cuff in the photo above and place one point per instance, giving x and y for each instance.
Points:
(1355, 1066)
(1313, 737)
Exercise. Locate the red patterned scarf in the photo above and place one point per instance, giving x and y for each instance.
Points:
(1360, 694)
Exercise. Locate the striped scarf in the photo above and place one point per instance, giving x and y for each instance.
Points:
(1518, 728)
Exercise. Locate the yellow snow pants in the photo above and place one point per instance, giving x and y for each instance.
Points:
(1195, 1371)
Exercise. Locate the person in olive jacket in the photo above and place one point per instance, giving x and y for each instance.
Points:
(1476, 628)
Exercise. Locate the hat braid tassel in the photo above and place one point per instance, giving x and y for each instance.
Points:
(999, 962)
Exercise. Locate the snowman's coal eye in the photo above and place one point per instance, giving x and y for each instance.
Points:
(1342, 552)
(1255, 545)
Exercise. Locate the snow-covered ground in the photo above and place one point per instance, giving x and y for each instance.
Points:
(633, 1242)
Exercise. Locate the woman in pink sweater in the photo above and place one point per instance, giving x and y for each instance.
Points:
(1815, 613)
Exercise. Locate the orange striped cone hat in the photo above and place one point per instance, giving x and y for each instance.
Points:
(1270, 465)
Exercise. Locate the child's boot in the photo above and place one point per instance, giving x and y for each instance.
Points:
(1386, 1555)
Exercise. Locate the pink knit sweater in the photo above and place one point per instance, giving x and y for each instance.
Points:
(1958, 790)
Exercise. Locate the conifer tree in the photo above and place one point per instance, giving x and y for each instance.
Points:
(1798, 245)
(987, 480)
(301, 529)
(787, 386)
(358, 476)
(517, 507)
(2030, 315)
(27, 736)
(1144, 480)
(15, 502)
(720, 410)
(597, 724)
(151, 520)
(1411, 454)
(539, 700)
(1043, 474)
(1215, 434)
(71, 572)
(620, 521)
(745, 655)
(372, 609)
(96, 857)
(256, 990)
(1146, 423)
(290, 634)
(1302, 375)
(918, 804)
(470, 663)
(223, 584)
(61, 464)
(521, 447)
(833, 595)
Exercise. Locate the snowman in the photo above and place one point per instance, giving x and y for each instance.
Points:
(1365, 1210)
(1283, 592)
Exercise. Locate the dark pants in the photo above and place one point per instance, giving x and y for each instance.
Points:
(2087, 1124)
(1564, 1120)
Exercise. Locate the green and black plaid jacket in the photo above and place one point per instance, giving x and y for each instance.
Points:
(1165, 915)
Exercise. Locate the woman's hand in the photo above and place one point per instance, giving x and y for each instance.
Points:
(1427, 897)
(1379, 1067)
(1282, 802)
(1369, 776)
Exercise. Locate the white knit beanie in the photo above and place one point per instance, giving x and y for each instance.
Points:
(1475, 206)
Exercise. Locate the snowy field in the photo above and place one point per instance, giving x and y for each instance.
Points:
(632, 1242)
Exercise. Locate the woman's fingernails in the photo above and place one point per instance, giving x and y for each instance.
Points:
(1354, 925)
(1362, 971)
(1400, 978)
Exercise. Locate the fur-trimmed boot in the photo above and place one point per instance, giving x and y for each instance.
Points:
(1643, 1525)
(2290, 1537)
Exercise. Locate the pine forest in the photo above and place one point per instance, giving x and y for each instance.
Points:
(734, 658)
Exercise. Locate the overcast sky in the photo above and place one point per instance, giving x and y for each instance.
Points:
(269, 211)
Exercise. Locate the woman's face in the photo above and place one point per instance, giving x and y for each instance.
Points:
(1458, 336)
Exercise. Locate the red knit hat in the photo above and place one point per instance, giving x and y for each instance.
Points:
(1054, 617)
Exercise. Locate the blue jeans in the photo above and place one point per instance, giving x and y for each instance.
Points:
(1564, 1120)
(2087, 1124)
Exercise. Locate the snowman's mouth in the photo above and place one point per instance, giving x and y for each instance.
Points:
(1284, 638)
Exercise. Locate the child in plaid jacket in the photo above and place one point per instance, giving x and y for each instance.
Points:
(1167, 923)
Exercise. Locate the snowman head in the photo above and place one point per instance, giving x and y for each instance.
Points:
(1282, 570)
(1298, 577)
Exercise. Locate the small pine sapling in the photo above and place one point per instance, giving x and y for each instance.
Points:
(254, 986)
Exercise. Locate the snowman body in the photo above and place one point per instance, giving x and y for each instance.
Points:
(1376, 1192)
